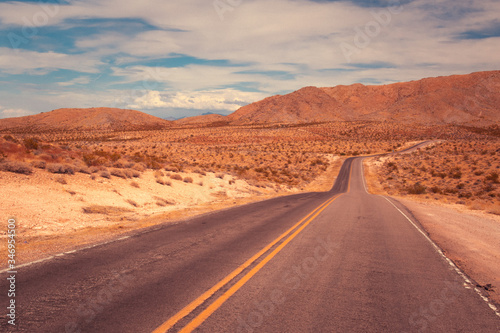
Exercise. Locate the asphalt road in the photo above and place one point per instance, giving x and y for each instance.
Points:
(337, 261)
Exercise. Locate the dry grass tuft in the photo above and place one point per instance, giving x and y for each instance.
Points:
(61, 180)
(105, 210)
(132, 202)
(163, 202)
(16, 167)
(176, 176)
(60, 168)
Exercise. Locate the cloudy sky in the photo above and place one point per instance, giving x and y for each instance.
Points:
(182, 58)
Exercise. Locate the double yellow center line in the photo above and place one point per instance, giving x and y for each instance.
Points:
(203, 315)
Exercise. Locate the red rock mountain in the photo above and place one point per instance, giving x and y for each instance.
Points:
(203, 119)
(84, 119)
(472, 99)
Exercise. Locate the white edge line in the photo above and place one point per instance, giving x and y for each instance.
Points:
(448, 260)
(63, 254)
(363, 174)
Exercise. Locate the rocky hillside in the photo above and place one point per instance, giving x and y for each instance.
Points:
(472, 99)
(83, 120)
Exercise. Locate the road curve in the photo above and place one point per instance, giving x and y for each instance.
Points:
(337, 261)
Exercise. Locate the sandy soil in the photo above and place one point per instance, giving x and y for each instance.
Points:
(470, 238)
(51, 218)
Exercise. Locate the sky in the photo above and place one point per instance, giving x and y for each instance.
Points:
(183, 58)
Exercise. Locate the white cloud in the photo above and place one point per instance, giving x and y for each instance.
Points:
(78, 80)
(40, 63)
(9, 113)
(225, 99)
(150, 100)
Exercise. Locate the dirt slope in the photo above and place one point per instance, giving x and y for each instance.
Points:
(84, 119)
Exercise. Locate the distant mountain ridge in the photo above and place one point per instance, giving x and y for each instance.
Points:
(84, 120)
(472, 99)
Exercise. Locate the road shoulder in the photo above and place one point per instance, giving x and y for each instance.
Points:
(470, 239)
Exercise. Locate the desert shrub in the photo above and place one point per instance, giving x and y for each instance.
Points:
(163, 181)
(153, 164)
(107, 155)
(139, 167)
(39, 164)
(134, 184)
(16, 167)
(31, 143)
(135, 173)
(436, 189)
(455, 173)
(123, 163)
(176, 176)
(129, 173)
(158, 174)
(188, 180)
(203, 173)
(105, 174)
(221, 175)
(97, 158)
(10, 138)
(493, 177)
(61, 180)
(417, 188)
(118, 173)
(171, 168)
(81, 167)
(60, 168)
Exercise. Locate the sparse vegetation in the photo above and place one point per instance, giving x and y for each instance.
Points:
(265, 156)
(456, 171)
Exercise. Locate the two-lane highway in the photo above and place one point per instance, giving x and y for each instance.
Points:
(338, 261)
